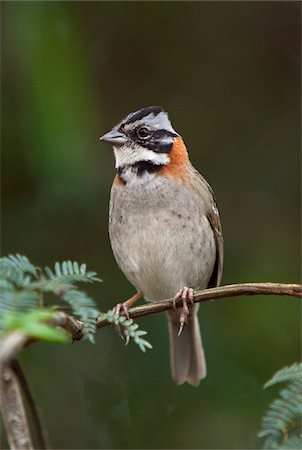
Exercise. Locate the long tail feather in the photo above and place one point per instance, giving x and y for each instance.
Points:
(186, 351)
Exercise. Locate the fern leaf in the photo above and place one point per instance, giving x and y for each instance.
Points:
(292, 443)
(11, 273)
(49, 273)
(130, 329)
(23, 263)
(84, 308)
(22, 285)
(20, 262)
(70, 268)
(70, 272)
(6, 285)
(76, 268)
(58, 269)
(288, 373)
(17, 302)
(285, 412)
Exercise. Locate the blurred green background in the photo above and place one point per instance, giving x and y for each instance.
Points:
(228, 73)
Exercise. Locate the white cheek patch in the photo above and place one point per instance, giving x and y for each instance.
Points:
(127, 156)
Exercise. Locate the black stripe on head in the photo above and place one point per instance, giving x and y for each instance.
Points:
(141, 113)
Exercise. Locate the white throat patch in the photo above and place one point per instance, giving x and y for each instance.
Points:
(127, 156)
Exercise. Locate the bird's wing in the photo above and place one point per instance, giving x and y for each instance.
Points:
(204, 190)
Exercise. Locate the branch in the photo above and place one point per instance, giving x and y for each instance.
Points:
(42, 440)
(11, 400)
(12, 379)
(231, 290)
(13, 411)
(74, 327)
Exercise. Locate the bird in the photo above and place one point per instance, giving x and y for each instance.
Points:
(164, 229)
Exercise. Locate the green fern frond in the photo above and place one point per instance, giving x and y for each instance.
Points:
(284, 413)
(130, 329)
(6, 285)
(16, 303)
(83, 308)
(288, 373)
(22, 286)
(292, 443)
(12, 274)
(20, 262)
(69, 271)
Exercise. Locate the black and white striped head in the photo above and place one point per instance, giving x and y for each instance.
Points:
(143, 136)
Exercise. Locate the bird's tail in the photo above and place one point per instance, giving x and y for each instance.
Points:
(186, 351)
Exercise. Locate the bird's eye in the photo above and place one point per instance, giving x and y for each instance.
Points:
(143, 133)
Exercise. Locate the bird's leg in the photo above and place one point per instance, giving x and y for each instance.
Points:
(123, 308)
(184, 294)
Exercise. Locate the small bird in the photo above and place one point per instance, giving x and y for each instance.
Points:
(164, 229)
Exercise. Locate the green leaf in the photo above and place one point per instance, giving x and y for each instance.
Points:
(58, 269)
(84, 308)
(22, 286)
(17, 301)
(290, 373)
(23, 263)
(33, 324)
(70, 272)
(130, 329)
(284, 413)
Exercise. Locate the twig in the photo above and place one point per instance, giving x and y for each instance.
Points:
(231, 290)
(74, 327)
(13, 411)
(42, 440)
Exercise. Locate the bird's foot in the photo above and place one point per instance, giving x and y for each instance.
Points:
(123, 309)
(185, 294)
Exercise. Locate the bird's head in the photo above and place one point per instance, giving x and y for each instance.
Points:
(144, 140)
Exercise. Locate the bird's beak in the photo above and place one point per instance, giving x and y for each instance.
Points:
(114, 137)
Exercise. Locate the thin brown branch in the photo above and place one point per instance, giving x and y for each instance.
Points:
(13, 411)
(74, 327)
(40, 432)
(231, 290)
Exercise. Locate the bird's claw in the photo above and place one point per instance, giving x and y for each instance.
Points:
(121, 308)
(127, 337)
(185, 294)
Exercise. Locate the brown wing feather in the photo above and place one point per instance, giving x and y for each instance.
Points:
(206, 193)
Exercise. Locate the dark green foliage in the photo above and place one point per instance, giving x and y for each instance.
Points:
(280, 425)
(22, 289)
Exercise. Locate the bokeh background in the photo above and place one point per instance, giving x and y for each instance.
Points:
(229, 75)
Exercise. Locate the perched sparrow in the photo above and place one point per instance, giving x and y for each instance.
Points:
(164, 228)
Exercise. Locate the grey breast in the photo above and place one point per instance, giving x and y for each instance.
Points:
(161, 237)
